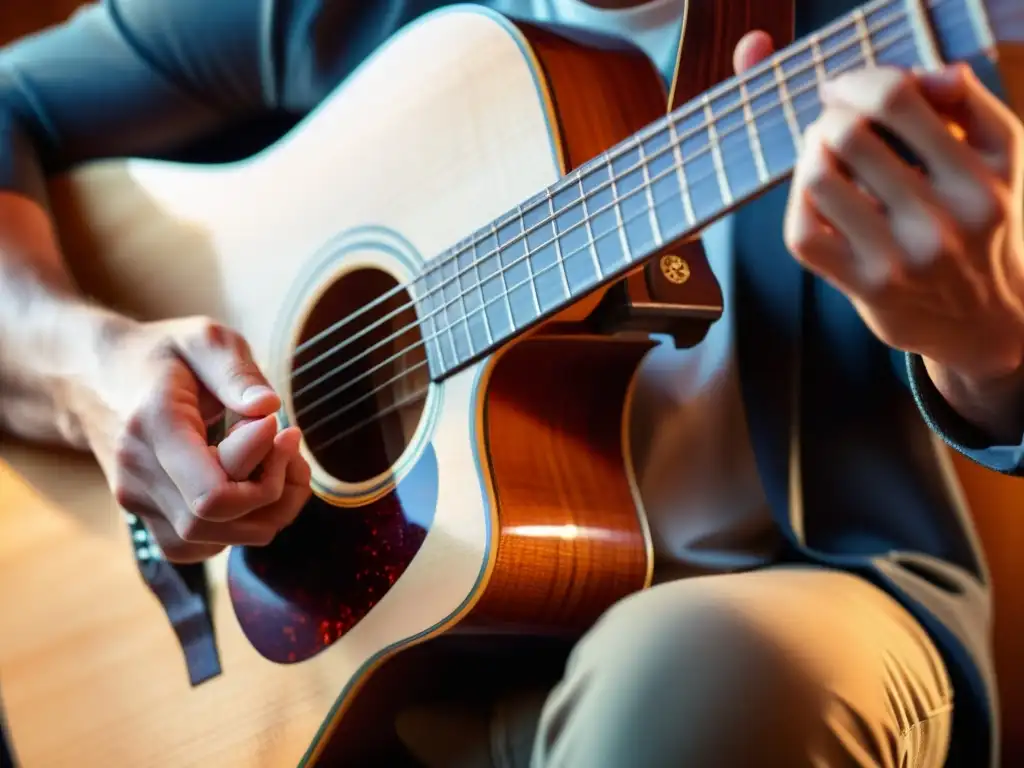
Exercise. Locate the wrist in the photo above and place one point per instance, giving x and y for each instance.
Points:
(991, 401)
(55, 352)
(91, 337)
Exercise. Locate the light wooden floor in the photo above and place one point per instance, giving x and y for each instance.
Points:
(1002, 527)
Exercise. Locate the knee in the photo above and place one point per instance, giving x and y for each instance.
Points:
(696, 679)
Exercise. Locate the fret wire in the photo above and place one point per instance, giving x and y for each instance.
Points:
(787, 105)
(760, 161)
(921, 24)
(557, 238)
(864, 35)
(684, 186)
(465, 309)
(785, 101)
(620, 224)
(529, 261)
(590, 232)
(591, 242)
(501, 271)
(438, 333)
(837, 25)
(819, 59)
(659, 240)
(901, 39)
(480, 288)
(716, 153)
(982, 24)
(451, 341)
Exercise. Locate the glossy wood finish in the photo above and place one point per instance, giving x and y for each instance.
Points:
(572, 540)
(599, 101)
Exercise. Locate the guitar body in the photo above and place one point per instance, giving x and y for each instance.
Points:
(502, 502)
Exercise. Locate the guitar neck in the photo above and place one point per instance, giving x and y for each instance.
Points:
(672, 179)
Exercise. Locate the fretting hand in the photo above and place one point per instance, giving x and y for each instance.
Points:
(932, 260)
(145, 418)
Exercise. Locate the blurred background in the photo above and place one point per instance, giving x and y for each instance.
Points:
(1002, 499)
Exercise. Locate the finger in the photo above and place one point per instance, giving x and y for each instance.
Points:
(279, 515)
(894, 100)
(854, 214)
(260, 526)
(183, 453)
(816, 245)
(194, 470)
(752, 48)
(918, 226)
(173, 547)
(232, 500)
(247, 445)
(298, 472)
(222, 360)
(989, 125)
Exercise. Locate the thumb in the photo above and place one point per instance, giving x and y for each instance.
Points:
(752, 48)
(223, 362)
(947, 86)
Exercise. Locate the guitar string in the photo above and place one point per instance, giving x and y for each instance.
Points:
(818, 57)
(576, 176)
(405, 372)
(902, 39)
(560, 261)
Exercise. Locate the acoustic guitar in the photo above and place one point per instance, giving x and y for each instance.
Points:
(429, 268)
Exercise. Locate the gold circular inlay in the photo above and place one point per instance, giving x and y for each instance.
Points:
(675, 269)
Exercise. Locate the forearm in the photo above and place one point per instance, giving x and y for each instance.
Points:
(51, 337)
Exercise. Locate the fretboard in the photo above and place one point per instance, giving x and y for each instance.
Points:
(670, 180)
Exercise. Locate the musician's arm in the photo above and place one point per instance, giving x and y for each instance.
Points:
(106, 82)
(136, 77)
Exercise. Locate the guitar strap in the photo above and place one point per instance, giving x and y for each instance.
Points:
(183, 592)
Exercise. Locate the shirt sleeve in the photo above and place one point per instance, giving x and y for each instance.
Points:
(956, 431)
(151, 77)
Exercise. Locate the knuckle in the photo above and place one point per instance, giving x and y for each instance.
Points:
(134, 428)
(204, 333)
(126, 452)
(876, 277)
(986, 207)
(896, 94)
(795, 240)
(796, 237)
(188, 529)
(157, 413)
(264, 535)
(926, 243)
(208, 506)
(124, 497)
(819, 177)
(241, 370)
(850, 136)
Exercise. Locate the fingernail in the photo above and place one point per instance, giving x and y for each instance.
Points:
(258, 392)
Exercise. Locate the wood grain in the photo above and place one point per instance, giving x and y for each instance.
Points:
(98, 614)
(571, 540)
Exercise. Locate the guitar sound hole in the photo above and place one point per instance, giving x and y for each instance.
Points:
(359, 387)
